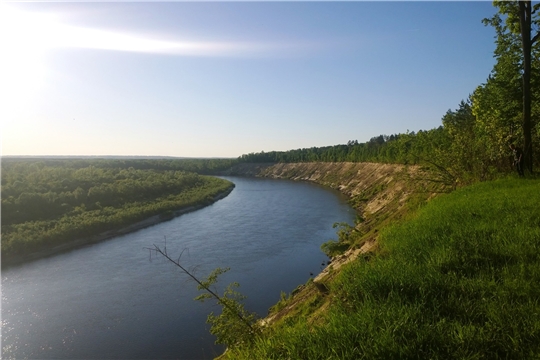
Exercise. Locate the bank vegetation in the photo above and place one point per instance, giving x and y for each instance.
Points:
(453, 278)
(458, 280)
(46, 203)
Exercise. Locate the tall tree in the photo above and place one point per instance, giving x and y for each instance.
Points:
(517, 30)
(525, 25)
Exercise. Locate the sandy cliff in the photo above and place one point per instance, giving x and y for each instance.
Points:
(381, 193)
(372, 188)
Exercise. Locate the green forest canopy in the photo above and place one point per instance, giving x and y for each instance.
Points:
(46, 202)
(473, 142)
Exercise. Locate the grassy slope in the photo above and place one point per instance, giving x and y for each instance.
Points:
(459, 280)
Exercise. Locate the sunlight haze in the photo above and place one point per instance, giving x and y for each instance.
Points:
(225, 79)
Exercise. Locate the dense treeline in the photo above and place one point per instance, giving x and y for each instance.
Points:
(466, 147)
(199, 166)
(48, 202)
(398, 148)
(460, 279)
(473, 141)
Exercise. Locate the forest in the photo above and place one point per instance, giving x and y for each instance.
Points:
(472, 144)
(467, 147)
(458, 279)
(46, 202)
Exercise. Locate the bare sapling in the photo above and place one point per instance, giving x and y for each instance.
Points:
(235, 325)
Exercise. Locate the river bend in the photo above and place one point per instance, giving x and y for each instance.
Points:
(111, 300)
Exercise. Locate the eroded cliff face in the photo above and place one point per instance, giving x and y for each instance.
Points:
(381, 193)
(373, 189)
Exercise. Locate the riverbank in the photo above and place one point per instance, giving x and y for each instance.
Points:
(375, 190)
(85, 241)
(381, 194)
(457, 280)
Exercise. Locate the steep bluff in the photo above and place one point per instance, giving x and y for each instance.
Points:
(373, 189)
(381, 194)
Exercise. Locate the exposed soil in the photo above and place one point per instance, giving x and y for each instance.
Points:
(372, 188)
(381, 193)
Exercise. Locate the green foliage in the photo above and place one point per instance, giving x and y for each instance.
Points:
(513, 86)
(445, 150)
(332, 248)
(374, 150)
(234, 326)
(473, 143)
(283, 298)
(46, 203)
(209, 282)
(346, 237)
(461, 280)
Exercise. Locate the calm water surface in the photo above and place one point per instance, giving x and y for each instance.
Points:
(113, 301)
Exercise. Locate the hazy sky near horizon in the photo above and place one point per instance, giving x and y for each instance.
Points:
(222, 79)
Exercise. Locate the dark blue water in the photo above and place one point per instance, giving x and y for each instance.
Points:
(111, 300)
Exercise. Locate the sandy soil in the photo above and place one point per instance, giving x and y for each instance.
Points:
(377, 191)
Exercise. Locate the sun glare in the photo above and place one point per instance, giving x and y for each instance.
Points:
(22, 70)
(27, 31)
(26, 39)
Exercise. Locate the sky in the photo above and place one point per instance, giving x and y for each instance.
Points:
(222, 79)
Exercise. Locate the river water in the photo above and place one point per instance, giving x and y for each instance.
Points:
(112, 300)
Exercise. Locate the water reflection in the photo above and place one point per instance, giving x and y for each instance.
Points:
(110, 300)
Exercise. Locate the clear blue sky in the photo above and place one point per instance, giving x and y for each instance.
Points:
(225, 79)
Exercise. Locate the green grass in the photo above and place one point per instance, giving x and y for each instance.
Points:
(460, 280)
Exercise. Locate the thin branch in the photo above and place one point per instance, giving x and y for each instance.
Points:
(535, 38)
(220, 300)
(447, 177)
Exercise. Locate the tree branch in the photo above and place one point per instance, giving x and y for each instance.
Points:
(220, 300)
(535, 38)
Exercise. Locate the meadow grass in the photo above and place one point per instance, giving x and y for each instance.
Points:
(459, 280)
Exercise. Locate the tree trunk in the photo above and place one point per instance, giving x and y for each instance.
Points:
(525, 27)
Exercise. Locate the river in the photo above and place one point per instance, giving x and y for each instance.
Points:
(113, 300)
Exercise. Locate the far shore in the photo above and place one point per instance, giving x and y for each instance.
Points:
(153, 220)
